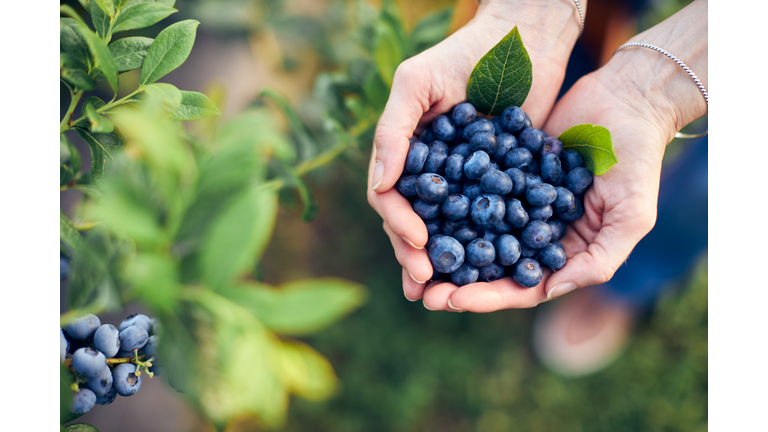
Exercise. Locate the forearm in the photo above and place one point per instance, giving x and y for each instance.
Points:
(668, 90)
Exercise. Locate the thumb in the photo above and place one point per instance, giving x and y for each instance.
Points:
(408, 101)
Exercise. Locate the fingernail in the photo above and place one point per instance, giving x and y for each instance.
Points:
(454, 308)
(378, 174)
(415, 280)
(406, 297)
(561, 289)
(405, 239)
(427, 308)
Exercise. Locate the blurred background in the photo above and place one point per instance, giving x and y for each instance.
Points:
(401, 367)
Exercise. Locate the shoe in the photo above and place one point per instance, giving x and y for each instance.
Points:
(582, 332)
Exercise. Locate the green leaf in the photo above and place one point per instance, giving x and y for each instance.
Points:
(300, 132)
(594, 144)
(81, 427)
(502, 78)
(68, 233)
(67, 10)
(307, 373)
(129, 53)
(131, 3)
(73, 43)
(100, 20)
(99, 123)
(91, 100)
(86, 4)
(100, 145)
(300, 307)
(238, 236)
(430, 31)
(78, 78)
(387, 51)
(102, 58)
(107, 6)
(167, 95)
(141, 16)
(195, 106)
(169, 50)
(69, 154)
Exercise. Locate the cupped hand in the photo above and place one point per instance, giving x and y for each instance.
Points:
(429, 84)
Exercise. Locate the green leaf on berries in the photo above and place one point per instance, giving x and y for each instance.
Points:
(502, 78)
(129, 53)
(594, 144)
(81, 427)
(68, 233)
(141, 16)
(169, 50)
(195, 106)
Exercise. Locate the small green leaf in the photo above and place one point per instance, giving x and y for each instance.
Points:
(502, 78)
(100, 145)
(68, 233)
(169, 50)
(167, 95)
(81, 427)
(107, 6)
(99, 123)
(71, 42)
(95, 101)
(195, 106)
(141, 16)
(594, 144)
(131, 3)
(102, 58)
(129, 53)
(301, 134)
(100, 20)
(78, 78)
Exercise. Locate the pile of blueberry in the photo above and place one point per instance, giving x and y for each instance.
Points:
(494, 194)
(107, 360)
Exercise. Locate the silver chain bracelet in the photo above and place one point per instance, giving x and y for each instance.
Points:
(581, 18)
(685, 68)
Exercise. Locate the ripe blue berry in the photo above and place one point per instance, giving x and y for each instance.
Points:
(450, 227)
(89, 361)
(507, 249)
(485, 141)
(551, 145)
(83, 401)
(518, 181)
(101, 384)
(552, 257)
(83, 328)
(496, 182)
(438, 153)
(124, 379)
(454, 167)
(478, 125)
(528, 123)
(550, 169)
(480, 252)
(465, 234)
(477, 164)
(487, 210)
(462, 149)
(417, 156)
(463, 113)
(527, 273)
(516, 214)
(445, 253)
(565, 199)
(472, 190)
(426, 211)
(491, 272)
(528, 253)
(532, 139)
(512, 119)
(572, 214)
(432, 188)
(531, 179)
(570, 160)
(456, 207)
(520, 158)
(505, 142)
(558, 228)
(536, 235)
(443, 128)
(107, 398)
(107, 340)
(541, 194)
(465, 274)
(406, 185)
(542, 213)
(139, 320)
(133, 338)
(579, 180)
(434, 227)
(488, 235)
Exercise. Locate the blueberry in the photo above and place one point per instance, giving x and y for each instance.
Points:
(565, 199)
(491, 272)
(139, 320)
(83, 328)
(480, 252)
(487, 209)
(512, 119)
(472, 189)
(426, 211)
(477, 164)
(507, 249)
(64, 345)
(552, 257)
(133, 337)
(454, 167)
(150, 349)
(516, 214)
(63, 266)
(550, 169)
(541, 194)
(485, 141)
(478, 125)
(108, 398)
(496, 182)
(462, 149)
(551, 145)
(455, 187)
(417, 156)
(465, 234)
(528, 253)
(107, 340)
(505, 142)
(432, 188)
(427, 135)
(456, 207)
(101, 384)
(450, 227)
(83, 401)
(501, 227)
(445, 253)
(466, 274)
(518, 181)
(571, 159)
(528, 123)
(463, 113)
(531, 180)
(527, 273)
(89, 361)
(579, 180)
(443, 128)
(438, 153)
(536, 235)
(572, 214)
(487, 235)
(531, 139)
(406, 185)
(124, 354)
(124, 379)
(496, 122)
(434, 227)
(520, 158)
(558, 228)
(542, 213)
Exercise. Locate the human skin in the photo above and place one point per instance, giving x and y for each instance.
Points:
(643, 98)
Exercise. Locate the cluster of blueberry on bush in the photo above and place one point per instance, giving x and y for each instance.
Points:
(494, 194)
(106, 360)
